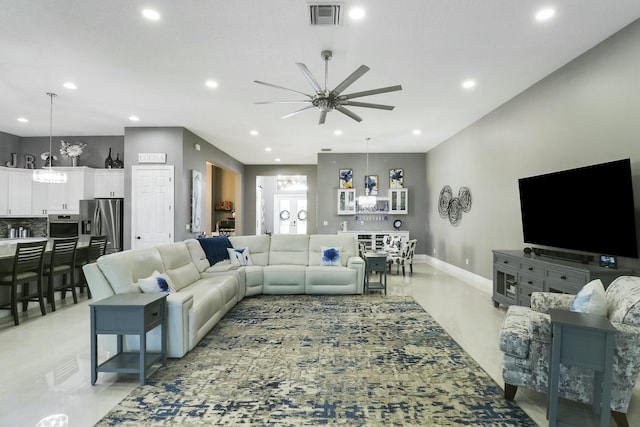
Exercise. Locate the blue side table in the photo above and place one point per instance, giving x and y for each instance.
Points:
(585, 341)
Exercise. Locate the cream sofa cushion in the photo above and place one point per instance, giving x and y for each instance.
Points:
(289, 249)
(124, 269)
(258, 247)
(347, 244)
(178, 265)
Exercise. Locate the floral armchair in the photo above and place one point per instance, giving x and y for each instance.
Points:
(526, 336)
(403, 257)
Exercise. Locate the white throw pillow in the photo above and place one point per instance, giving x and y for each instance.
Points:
(157, 282)
(239, 256)
(330, 255)
(591, 299)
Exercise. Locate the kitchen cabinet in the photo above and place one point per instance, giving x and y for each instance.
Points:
(65, 198)
(346, 201)
(40, 198)
(14, 185)
(109, 183)
(399, 201)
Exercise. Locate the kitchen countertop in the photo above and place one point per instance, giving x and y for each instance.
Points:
(8, 246)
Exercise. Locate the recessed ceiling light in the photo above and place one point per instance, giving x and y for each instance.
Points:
(268, 149)
(212, 84)
(23, 120)
(545, 14)
(337, 132)
(70, 85)
(134, 118)
(151, 14)
(468, 84)
(254, 133)
(356, 13)
(417, 132)
(277, 159)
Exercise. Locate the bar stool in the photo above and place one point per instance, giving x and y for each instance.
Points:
(96, 248)
(63, 263)
(27, 268)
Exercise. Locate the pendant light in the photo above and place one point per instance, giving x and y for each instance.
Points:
(367, 202)
(48, 175)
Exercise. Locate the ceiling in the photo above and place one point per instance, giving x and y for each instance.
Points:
(124, 65)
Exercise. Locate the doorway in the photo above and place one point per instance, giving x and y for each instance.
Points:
(281, 204)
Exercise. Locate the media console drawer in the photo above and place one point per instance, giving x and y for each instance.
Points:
(516, 275)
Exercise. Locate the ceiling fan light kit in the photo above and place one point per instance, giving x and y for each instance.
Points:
(326, 100)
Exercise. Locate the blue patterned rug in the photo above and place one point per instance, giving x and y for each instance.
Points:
(321, 360)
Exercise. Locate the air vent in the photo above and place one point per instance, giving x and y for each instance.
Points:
(325, 149)
(324, 14)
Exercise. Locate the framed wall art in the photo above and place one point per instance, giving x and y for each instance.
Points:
(346, 178)
(396, 178)
(371, 185)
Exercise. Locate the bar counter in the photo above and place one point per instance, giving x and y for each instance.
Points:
(8, 249)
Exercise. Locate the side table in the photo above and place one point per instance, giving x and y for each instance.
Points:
(376, 262)
(128, 314)
(585, 341)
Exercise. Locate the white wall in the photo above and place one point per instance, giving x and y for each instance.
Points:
(586, 112)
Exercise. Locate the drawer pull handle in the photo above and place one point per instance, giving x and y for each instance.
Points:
(505, 262)
(530, 268)
(530, 282)
(563, 277)
(154, 313)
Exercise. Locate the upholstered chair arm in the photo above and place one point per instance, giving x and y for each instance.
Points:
(542, 302)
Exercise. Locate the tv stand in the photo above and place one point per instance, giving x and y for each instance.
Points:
(516, 276)
(584, 259)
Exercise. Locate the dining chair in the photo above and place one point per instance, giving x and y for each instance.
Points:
(96, 248)
(63, 263)
(27, 268)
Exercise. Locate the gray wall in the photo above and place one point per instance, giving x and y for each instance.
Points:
(249, 192)
(93, 155)
(413, 164)
(586, 112)
(179, 144)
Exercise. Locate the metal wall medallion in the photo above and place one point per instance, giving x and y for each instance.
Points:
(453, 207)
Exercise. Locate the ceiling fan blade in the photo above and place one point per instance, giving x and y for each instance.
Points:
(309, 77)
(351, 114)
(302, 101)
(296, 112)
(371, 92)
(323, 117)
(368, 105)
(285, 88)
(349, 80)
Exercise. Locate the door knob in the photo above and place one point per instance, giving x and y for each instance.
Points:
(138, 237)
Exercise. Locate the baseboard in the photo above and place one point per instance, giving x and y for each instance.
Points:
(481, 283)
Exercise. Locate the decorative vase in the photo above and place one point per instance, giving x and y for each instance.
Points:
(108, 162)
(74, 161)
(117, 163)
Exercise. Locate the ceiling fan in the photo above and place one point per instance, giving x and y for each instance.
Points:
(327, 100)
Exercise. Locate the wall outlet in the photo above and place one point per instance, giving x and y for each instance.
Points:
(325, 222)
(188, 227)
(466, 261)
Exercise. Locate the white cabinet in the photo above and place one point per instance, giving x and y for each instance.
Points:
(40, 198)
(15, 192)
(65, 198)
(4, 192)
(399, 201)
(346, 201)
(109, 183)
(373, 240)
(20, 182)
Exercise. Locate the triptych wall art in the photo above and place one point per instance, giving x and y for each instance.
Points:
(396, 180)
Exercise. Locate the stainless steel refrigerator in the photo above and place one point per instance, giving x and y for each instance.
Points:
(103, 217)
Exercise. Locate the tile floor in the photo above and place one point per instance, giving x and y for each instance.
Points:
(46, 366)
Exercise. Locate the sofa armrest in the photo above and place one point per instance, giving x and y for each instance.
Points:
(98, 284)
(542, 302)
(178, 306)
(357, 263)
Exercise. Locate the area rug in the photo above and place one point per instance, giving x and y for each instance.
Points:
(321, 360)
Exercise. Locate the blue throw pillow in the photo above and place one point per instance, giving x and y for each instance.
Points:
(330, 255)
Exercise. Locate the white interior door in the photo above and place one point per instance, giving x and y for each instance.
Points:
(290, 214)
(152, 207)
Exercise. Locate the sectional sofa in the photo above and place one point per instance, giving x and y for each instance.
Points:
(201, 293)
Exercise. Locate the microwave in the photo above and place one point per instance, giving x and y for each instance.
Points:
(64, 225)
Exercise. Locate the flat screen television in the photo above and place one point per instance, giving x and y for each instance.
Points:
(587, 209)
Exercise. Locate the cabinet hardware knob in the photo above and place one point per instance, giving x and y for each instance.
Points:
(530, 282)
(563, 277)
(154, 314)
(530, 268)
(138, 237)
(505, 261)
